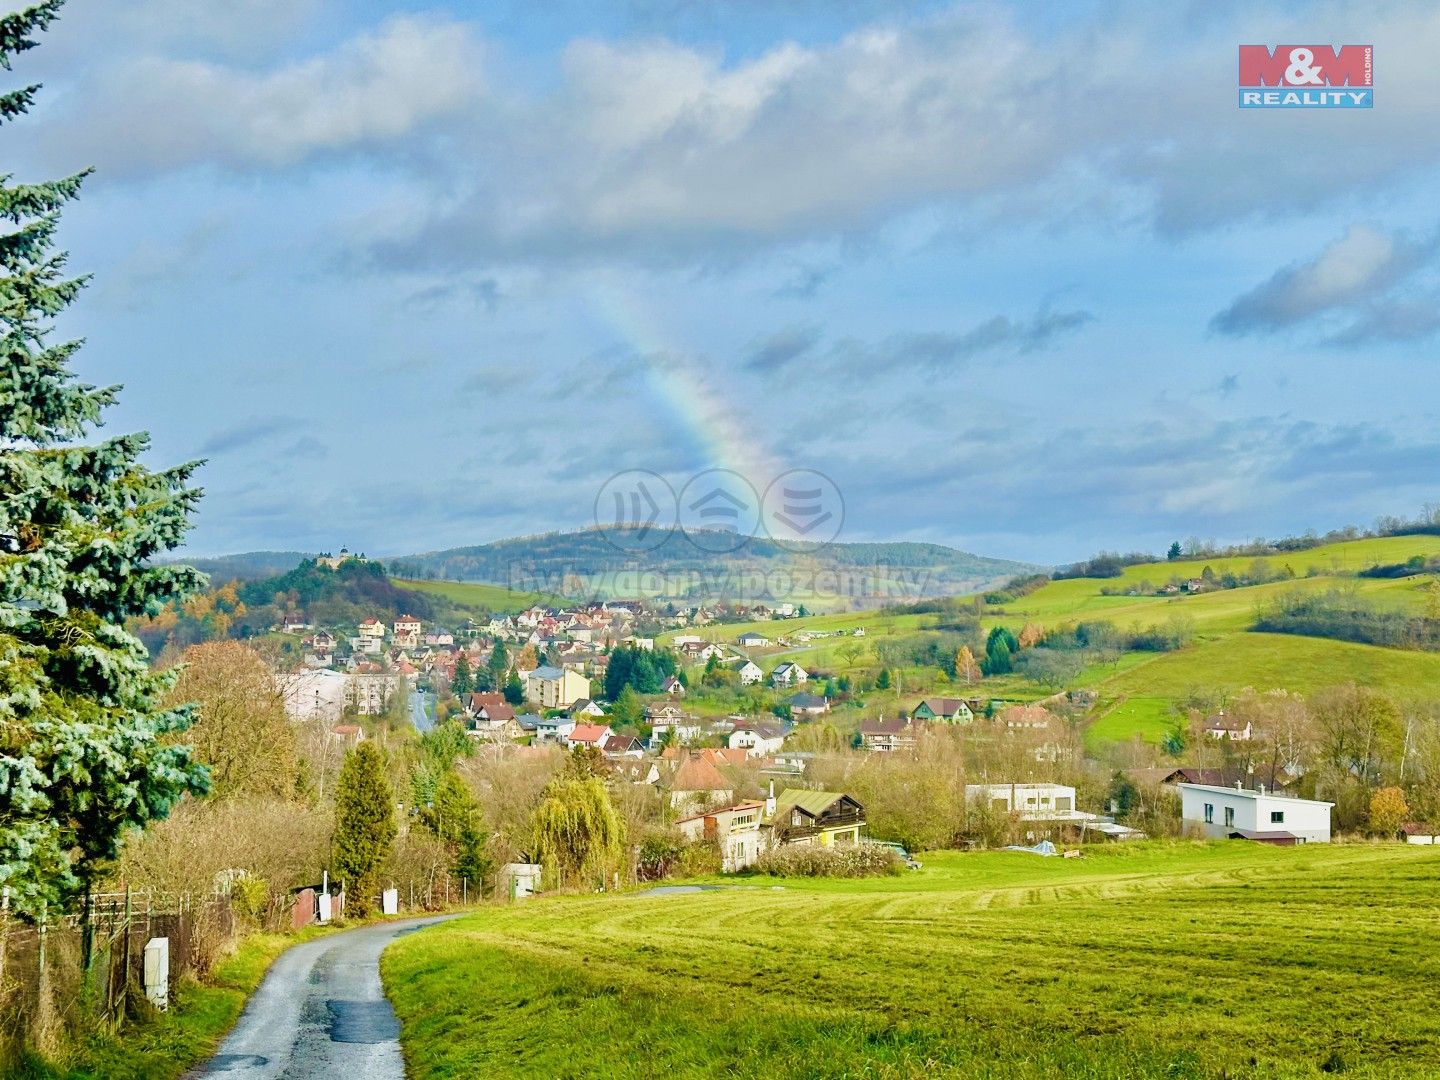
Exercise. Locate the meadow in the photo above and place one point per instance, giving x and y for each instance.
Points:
(1180, 960)
(478, 595)
(1142, 694)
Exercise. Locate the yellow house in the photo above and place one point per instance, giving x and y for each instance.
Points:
(556, 688)
(826, 818)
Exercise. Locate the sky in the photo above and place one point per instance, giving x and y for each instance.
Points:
(1021, 279)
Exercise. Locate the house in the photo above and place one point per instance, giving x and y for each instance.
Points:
(617, 746)
(1025, 718)
(553, 728)
(753, 641)
(407, 631)
(759, 739)
(823, 818)
(593, 735)
(1243, 813)
(673, 686)
(369, 692)
(491, 716)
(585, 708)
(322, 641)
(950, 710)
(349, 734)
(750, 673)
(312, 695)
(674, 725)
(487, 704)
(887, 736)
(437, 638)
(808, 705)
(1031, 802)
(373, 629)
(696, 782)
(1233, 728)
(734, 829)
(1415, 832)
(788, 674)
(294, 624)
(556, 688)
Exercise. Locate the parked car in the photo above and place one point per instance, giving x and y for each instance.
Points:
(904, 856)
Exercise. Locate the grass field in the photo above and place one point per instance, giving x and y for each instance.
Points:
(475, 594)
(1138, 695)
(1176, 961)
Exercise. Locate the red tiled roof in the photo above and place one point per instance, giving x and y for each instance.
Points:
(589, 733)
(697, 774)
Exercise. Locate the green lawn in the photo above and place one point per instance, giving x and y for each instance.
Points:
(1151, 960)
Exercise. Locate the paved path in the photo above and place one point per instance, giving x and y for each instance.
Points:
(320, 1013)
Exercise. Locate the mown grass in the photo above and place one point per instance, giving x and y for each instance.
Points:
(1153, 960)
(169, 1044)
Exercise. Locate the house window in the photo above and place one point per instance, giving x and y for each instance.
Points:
(1277, 817)
(1229, 816)
(1209, 813)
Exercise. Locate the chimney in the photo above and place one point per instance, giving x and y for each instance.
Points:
(770, 801)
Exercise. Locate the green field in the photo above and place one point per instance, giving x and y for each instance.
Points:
(1139, 693)
(1150, 960)
(477, 595)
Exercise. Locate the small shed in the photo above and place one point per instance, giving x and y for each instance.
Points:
(519, 880)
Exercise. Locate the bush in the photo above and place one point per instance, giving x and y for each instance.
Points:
(805, 860)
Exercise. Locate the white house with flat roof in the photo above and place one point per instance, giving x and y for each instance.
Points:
(1032, 802)
(1255, 815)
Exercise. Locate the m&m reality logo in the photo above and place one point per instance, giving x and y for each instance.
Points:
(1307, 77)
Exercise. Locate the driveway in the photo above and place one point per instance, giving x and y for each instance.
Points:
(320, 1013)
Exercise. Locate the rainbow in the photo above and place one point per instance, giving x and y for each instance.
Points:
(685, 391)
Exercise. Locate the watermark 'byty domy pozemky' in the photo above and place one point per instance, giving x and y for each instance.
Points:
(1307, 77)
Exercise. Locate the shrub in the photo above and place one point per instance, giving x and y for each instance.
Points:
(859, 860)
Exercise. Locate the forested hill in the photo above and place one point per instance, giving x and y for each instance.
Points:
(602, 562)
(249, 566)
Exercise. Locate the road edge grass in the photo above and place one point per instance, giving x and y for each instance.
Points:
(166, 1046)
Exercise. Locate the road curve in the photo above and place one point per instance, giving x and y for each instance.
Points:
(320, 1013)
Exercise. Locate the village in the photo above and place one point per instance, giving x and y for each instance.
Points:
(534, 684)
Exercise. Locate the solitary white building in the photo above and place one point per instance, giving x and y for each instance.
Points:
(1255, 815)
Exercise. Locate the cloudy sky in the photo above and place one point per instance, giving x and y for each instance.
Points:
(1019, 278)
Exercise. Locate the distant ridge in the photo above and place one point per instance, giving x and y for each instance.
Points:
(246, 566)
(600, 562)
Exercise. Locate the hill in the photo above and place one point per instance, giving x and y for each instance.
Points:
(1143, 691)
(604, 563)
(1136, 961)
(246, 566)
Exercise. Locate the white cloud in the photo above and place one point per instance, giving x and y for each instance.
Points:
(156, 113)
(1358, 272)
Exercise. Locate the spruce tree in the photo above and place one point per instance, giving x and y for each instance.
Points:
(364, 826)
(463, 682)
(514, 690)
(454, 817)
(85, 747)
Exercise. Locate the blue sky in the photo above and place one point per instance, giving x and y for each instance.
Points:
(1021, 279)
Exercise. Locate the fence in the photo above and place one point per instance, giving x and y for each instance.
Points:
(74, 974)
(81, 972)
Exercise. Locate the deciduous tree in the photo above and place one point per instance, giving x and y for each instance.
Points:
(241, 732)
(578, 836)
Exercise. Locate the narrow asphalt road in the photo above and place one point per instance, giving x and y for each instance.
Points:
(320, 1013)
